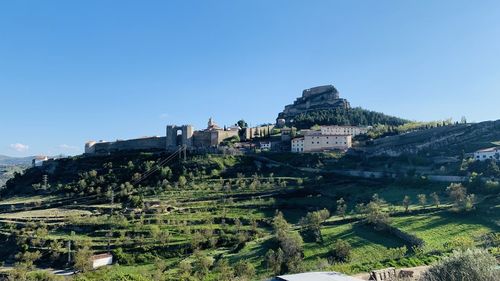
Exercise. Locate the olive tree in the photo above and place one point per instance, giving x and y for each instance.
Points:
(470, 264)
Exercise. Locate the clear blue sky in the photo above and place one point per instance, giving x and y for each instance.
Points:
(72, 71)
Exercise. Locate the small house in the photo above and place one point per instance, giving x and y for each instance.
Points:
(492, 153)
(265, 145)
(101, 260)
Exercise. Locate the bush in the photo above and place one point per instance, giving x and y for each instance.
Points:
(471, 264)
(340, 252)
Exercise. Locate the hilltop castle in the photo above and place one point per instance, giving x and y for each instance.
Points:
(176, 136)
(317, 98)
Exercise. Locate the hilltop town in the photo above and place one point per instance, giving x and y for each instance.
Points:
(326, 188)
(325, 138)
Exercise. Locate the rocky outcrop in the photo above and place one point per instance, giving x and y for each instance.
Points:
(317, 98)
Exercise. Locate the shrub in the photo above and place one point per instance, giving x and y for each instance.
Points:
(340, 252)
(471, 264)
(460, 243)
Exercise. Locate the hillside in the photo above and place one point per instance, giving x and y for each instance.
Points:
(7, 172)
(11, 161)
(453, 140)
(215, 215)
(345, 116)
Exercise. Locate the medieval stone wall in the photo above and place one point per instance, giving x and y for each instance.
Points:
(151, 143)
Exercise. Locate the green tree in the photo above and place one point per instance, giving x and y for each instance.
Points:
(311, 223)
(406, 203)
(375, 215)
(435, 199)
(28, 258)
(83, 257)
(182, 181)
(341, 207)
(340, 252)
(292, 244)
(461, 200)
(422, 200)
(280, 225)
(274, 260)
(242, 124)
(224, 271)
(202, 264)
(471, 264)
(244, 270)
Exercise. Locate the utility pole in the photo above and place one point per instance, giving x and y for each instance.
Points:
(45, 179)
(112, 200)
(69, 252)
(110, 233)
(185, 148)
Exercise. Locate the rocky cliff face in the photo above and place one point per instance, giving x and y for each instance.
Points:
(317, 98)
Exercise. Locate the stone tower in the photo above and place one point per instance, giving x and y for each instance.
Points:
(178, 136)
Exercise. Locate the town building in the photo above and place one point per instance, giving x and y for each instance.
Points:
(343, 130)
(298, 144)
(250, 133)
(288, 133)
(101, 260)
(315, 141)
(38, 161)
(265, 145)
(492, 153)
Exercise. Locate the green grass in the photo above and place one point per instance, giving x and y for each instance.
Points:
(441, 227)
(368, 245)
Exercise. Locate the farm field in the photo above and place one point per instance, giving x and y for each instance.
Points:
(171, 229)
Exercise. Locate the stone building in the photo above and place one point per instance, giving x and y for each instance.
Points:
(257, 131)
(176, 136)
(326, 138)
(343, 130)
(213, 135)
(179, 136)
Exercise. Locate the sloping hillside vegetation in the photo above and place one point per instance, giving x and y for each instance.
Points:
(345, 116)
(222, 217)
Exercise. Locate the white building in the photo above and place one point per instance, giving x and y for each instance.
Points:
(317, 142)
(488, 153)
(343, 130)
(101, 260)
(298, 144)
(265, 145)
(38, 161)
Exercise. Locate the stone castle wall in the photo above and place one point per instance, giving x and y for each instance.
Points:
(151, 143)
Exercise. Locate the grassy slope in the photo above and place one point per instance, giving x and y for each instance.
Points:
(203, 207)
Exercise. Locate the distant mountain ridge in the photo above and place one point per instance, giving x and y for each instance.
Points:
(15, 161)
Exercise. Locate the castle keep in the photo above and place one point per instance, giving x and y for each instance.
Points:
(317, 98)
(176, 136)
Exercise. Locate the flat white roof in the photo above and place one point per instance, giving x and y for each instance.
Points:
(316, 276)
(491, 149)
